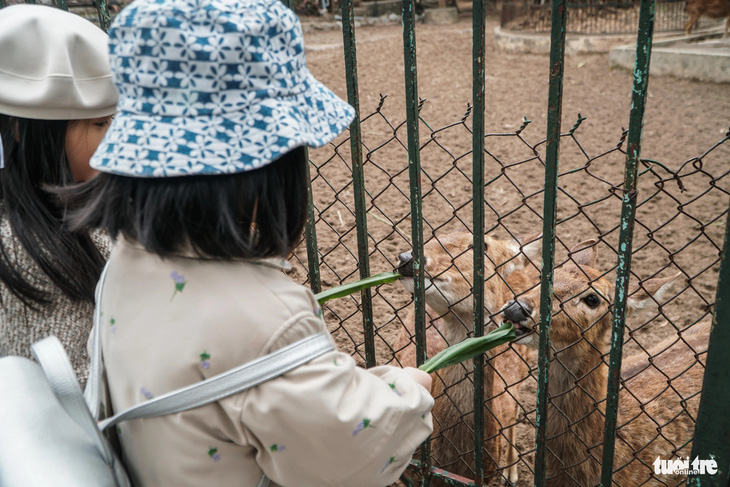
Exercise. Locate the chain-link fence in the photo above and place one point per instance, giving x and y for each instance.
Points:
(620, 350)
(679, 230)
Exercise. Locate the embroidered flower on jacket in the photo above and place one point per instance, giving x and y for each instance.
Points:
(364, 424)
(179, 283)
(204, 360)
(112, 323)
(276, 447)
(146, 393)
(393, 387)
(213, 454)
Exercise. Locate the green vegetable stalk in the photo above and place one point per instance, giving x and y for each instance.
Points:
(469, 348)
(353, 287)
(455, 354)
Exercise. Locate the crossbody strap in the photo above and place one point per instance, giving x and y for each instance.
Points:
(55, 364)
(231, 382)
(62, 380)
(83, 408)
(92, 392)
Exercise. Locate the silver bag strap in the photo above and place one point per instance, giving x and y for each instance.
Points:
(231, 382)
(263, 481)
(210, 390)
(61, 378)
(60, 375)
(92, 393)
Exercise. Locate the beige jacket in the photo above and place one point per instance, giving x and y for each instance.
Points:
(69, 320)
(168, 324)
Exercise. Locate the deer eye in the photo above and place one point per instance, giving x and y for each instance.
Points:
(592, 301)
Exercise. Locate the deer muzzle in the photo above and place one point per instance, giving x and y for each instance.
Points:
(405, 264)
(519, 313)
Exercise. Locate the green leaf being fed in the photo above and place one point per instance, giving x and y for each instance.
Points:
(470, 348)
(353, 287)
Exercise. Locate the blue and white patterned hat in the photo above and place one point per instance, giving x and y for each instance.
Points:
(212, 87)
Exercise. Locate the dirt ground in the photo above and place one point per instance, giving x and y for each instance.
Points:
(683, 193)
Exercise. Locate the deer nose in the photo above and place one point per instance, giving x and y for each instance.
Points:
(405, 264)
(517, 311)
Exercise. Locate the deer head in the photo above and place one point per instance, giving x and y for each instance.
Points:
(449, 270)
(582, 302)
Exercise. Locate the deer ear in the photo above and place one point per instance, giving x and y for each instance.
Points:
(651, 292)
(585, 253)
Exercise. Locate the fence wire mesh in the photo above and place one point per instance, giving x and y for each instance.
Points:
(679, 230)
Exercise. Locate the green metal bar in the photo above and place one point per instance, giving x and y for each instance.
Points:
(30, 1)
(310, 228)
(479, 18)
(103, 10)
(555, 105)
(2, 3)
(310, 235)
(626, 234)
(712, 433)
(358, 177)
(408, 14)
(62, 5)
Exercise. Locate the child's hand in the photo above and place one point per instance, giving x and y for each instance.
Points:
(419, 376)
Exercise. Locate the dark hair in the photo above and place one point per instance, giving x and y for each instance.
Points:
(35, 156)
(250, 215)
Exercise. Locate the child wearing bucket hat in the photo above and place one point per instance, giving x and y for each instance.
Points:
(56, 99)
(203, 185)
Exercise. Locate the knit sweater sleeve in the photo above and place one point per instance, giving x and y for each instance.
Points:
(21, 326)
(330, 422)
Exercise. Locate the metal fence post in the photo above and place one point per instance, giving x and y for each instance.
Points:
(358, 178)
(310, 229)
(414, 177)
(310, 235)
(628, 215)
(478, 54)
(555, 105)
(712, 433)
(102, 9)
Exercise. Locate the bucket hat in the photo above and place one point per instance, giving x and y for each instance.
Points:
(212, 87)
(53, 65)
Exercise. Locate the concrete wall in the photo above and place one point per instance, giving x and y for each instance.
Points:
(706, 60)
(574, 43)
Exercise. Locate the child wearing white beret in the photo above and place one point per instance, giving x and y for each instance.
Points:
(56, 102)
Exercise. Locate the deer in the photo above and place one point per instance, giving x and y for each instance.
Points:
(715, 9)
(660, 399)
(448, 272)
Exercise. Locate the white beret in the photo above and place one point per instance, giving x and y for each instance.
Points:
(54, 65)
